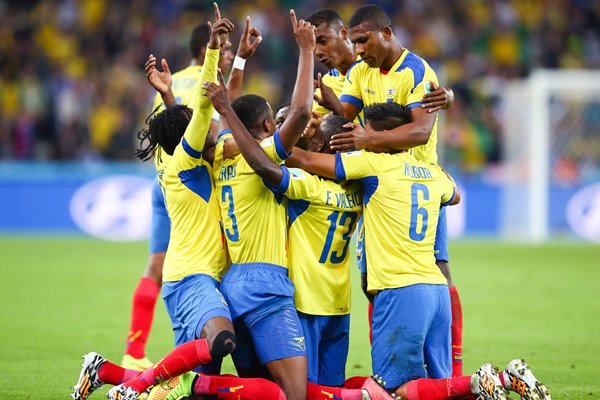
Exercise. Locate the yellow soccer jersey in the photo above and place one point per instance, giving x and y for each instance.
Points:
(196, 244)
(184, 82)
(335, 80)
(254, 216)
(404, 84)
(322, 218)
(402, 199)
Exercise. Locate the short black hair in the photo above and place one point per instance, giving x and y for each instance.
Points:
(164, 130)
(332, 125)
(199, 39)
(325, 16)
(374, 15)
(252, 110)
(386, 116)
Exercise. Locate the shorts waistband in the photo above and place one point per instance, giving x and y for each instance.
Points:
(259, 265)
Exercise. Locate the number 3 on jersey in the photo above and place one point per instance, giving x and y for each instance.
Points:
(415, 211)
(233, 234)
(350, 217)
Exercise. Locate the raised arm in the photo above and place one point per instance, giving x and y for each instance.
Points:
(301, 105)
(161, 81)
(249, 42)
(251, 150)
(197, 130)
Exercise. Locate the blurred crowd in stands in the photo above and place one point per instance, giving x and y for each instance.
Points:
(72, 85)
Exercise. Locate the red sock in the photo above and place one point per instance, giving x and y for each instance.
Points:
(502, 380)
(142, 312)
(183, 358)
(320, 392)
(355, 382)
(457, 326)
(438, 389)
(230, 387)
(115, 375)
(370, 322)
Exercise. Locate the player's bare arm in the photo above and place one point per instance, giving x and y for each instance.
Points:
(251, 150)
(161, 81)
(316, 163)
(404, 137)
(301, 105)
(249, 42)
(438, 98)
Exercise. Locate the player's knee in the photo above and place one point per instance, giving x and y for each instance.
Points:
(223, 345)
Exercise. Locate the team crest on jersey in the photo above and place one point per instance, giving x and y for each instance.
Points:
(297, 173)
(300, 342)
(390, 93)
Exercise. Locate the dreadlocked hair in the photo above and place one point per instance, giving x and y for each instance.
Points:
(164, 131)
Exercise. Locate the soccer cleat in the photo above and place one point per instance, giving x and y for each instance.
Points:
(122, 393)
(374, 388)
(486, 383)
(181, 390)
(136, 364)
(519, 378)
(162, 390)
(88, 378)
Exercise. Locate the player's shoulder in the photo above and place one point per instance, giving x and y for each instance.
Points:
(358, 67)
(411, 62)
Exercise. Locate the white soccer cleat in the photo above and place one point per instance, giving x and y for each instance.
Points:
(519, 379)
(88, 378)
(122, 393)
(486, 383)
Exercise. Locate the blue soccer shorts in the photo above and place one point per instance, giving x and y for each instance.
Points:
(411, 334)
(440, 248)
(261, 301)
(327, 339)
(190, 303)
(160, 231)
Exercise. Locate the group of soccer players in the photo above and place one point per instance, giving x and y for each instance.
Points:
(256, 217)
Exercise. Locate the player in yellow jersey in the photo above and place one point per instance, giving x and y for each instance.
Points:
(181, 85)
(336, 52)
(257, 287)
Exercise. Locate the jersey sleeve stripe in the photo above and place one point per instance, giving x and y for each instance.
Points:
(414, 105)
(283, 155)
(189, 150)
(285, 180)
(340, 172)
(346, 98)
(451, 198)
(223, 133)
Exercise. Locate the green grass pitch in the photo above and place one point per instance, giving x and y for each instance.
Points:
(62, 297)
